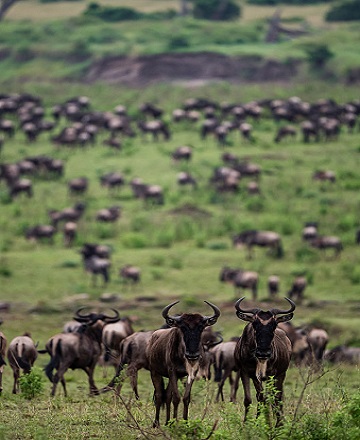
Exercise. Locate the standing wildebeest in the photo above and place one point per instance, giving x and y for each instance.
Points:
(273, 285)
(324, 175)
(22, 355)
(182, 153)
(78, 350)
(175, 353)
(318, 339)
(69, 232)
(224, 365)
(343, 354)
(3, 343)
(79, 185)
(252, 238)
(184, 178)
(297, 289)
(299, 342)
(39, 232)
(283, 132)
(112, 335)
(108, 215)
(20, 186)
(327, 242)
(240, 279)
(130, 273)
(263, 351)
(96, 261)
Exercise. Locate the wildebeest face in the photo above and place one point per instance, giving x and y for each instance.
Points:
(264, 326)
(192, 327)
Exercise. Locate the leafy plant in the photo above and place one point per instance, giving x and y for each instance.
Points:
(31, 384)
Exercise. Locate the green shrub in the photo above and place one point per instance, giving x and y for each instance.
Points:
(112, 14)
(31, 384)
(318, 55)
(178, 42)
(344, 11)
(214, 10)
(134, 241)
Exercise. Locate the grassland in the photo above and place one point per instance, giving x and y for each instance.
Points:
(180, 255)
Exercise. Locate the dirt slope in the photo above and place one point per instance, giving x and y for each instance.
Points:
(200, 67)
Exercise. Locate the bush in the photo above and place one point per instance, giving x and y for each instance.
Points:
(318, 55)
(214, 10)
(178, 42)
(346, 11)
(31, 384)
(112, 14)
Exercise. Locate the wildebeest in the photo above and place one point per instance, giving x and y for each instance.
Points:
(299, 342)
(240, 279)
(112, 336)
(112, 180)
(251, 238)
(273, 285)
(175, 353)
(297, 289)
(108, 215)
(40, 232)
(77, 350)
(96, 262)
(182, 153)
(263, 351)
(284, 132)
(130, 273)
(155, 128)
(184, 178)
(323, 175)
(343, 354)
(310, 231)
(224, 365)
(21, 354)
(133, 355)
(3, 343)
(324, 242)
(20, 186)
(318, 339)
(78, 185)
(149, 193)
(71, 214)
(69, 232)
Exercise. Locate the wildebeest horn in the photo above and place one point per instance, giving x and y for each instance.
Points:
(82, 317)
(165, 312)
(278, 311)
(115, 318)
(240, 310)
(212, 319)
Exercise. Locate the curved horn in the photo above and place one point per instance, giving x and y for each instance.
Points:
(165, 312)
(83, 317)
(110, 319)
(278, 311)
(240, 310)
(212, 319)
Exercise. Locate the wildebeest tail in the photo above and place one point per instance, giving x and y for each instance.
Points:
(21, 360)
(54, 360)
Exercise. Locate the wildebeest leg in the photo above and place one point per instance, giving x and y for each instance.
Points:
(1, 375)
(278, 409)
(90, 372)
(247, 394)
(169, 397)
(186, 397)
(221, 385)
(132, 372)
(158, 383)
(59, 375)
(259, 394)
(234, 387)
(173, 387)
(16, 380)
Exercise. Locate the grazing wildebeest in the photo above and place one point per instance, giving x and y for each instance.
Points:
(3, 343)
(299, 342)
(240, 279)
(263, 351)
(310, 231)
(112, 180)
(130, 273)
(112, 335)
(252, 238)
(108, 215)
(284, 132)
(318, 339)
(72, 214)
(78, 185)
(149, 193)
(182, 153)
(20, 186)
(324, 175)
(297, 289)
(39, 232)
(342, 354)
(184, 178)
(21, 354)
(246, 131)
(175, 353)
(155, 128)
(224, 365)
(327, 242)
(273, 285)
(77, 350)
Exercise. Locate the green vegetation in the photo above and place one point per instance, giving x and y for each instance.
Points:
(344, 11)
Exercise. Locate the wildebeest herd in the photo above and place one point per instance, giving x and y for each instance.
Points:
(184, 347)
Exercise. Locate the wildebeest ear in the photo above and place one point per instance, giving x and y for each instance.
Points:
(211, 320)
(244, 316)
(171, 322)
(284, 318)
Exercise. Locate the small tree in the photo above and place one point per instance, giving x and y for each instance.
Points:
(318, 55)
(216, 9)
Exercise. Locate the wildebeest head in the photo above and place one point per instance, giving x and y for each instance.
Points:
(264, 324)
(191, 325)
(91, 318)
